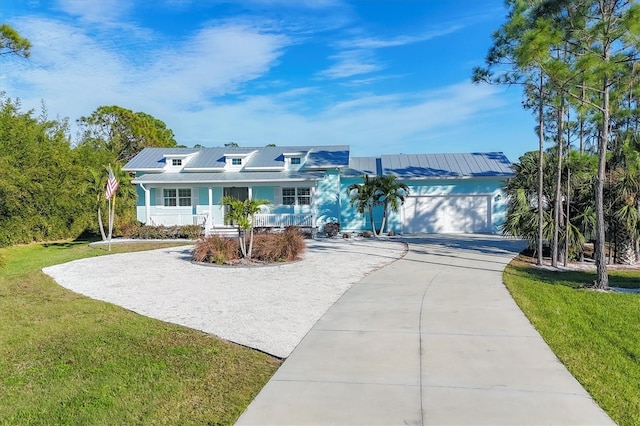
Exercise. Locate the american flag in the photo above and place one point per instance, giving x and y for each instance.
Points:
(112, 185)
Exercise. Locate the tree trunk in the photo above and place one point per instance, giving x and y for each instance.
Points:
(567, 222)
(625, 250)
(602, 279)
(101, 225)
(540, 170)
(557, 206)
(373, 225)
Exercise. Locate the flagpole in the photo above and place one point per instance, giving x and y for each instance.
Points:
(110, 224)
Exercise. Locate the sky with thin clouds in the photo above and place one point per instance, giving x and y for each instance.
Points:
(383, 76)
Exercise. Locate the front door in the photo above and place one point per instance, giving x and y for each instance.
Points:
(238, 192)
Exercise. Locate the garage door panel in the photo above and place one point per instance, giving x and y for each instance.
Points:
(447, 214)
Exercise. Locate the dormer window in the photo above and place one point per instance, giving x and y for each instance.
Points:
(174, 162)
(294, 160)
(236, 161)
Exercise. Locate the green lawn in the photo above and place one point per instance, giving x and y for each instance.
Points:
(68, 359)
(596, 335)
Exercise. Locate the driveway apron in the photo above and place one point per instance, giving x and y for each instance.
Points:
(433, 338)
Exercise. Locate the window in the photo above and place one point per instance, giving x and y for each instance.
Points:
(176, 162)
(295, 160)
(304, 196)
(301, 195)
(288, 196)
(177, 197)
(236, 161)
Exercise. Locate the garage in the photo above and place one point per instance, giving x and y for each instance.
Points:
(447, 214)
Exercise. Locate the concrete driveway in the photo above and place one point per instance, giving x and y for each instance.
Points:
(433, 338)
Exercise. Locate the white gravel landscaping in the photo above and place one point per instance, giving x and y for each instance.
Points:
(269, 308)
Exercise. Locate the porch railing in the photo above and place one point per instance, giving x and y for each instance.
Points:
(263, 220)
(178, 219)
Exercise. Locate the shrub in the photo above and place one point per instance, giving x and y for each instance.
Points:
(283, 247)
(367, 234)
(267, 247)
(128, 230)
(292, 243)
(145, 232)
(331, 229)
(214, 249)
(3, 260)
(191, 232)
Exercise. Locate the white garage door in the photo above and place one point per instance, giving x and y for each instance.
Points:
(450, 213)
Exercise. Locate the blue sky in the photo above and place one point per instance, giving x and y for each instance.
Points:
(384, 77)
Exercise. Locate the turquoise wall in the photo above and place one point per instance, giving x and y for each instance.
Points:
(332, 202)
(352, 221)
(327, 199)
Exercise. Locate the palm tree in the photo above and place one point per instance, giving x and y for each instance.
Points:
(390, 192)
(625, 191)
(362, 198)
(242, 213)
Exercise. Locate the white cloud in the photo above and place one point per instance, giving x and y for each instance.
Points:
(358, 56)
(350, 63)
(96, 11)
(214, 62)
(377, 43)
(75, 73)
(370, 124)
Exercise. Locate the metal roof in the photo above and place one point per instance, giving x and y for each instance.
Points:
(236, 177)
(318, 157)
(416, 166)
(153, 158)
(370, 166)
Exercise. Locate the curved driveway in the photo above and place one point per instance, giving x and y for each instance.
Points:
(434, 338)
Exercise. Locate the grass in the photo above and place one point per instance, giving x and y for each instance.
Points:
(596, 335)
(68, 359)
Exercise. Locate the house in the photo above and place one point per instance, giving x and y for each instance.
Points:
(448, 193)
(307, 186)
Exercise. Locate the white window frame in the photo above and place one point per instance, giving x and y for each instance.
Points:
(236, 162)
(296, 161)
(297, 194)
(176, 162)
(179, 197)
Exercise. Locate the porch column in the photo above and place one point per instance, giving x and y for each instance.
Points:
(210, 222)
(147, 204)
(314, 204)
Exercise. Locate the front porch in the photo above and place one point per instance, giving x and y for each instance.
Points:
(261, 220)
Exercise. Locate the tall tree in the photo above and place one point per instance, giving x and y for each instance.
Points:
(362, 196)
(599, 39)
(40, 198)
(12, 43)
(390, 192)
(503, 67)
(124, 132)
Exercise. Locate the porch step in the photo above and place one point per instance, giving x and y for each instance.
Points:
(223, 231)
